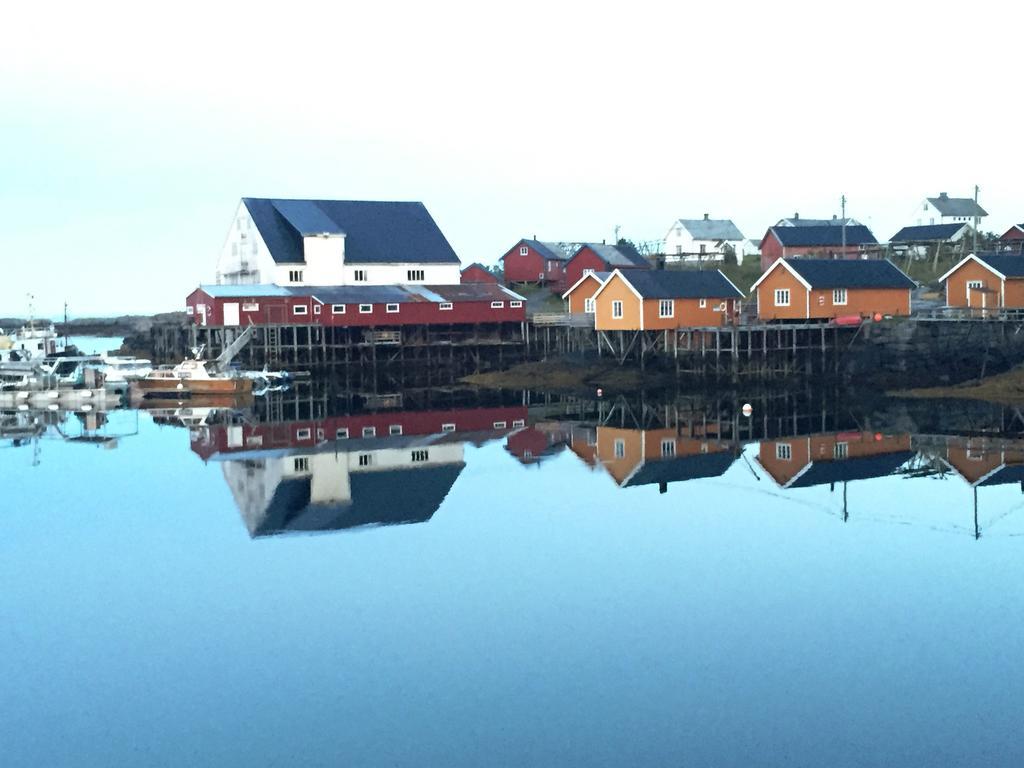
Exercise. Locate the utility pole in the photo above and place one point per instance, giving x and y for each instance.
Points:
(976, 219)
(617, 228)
(842, 203)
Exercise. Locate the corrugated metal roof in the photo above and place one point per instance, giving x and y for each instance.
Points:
(851, 273)
(684, 284)
(957, 206)
(823, 235)
(375, 232)
(927, 232)
(711, 229)
(474, 292)
(617, 255)
(359, 294)
(244, 291)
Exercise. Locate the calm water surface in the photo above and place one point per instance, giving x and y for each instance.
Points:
(295, 588)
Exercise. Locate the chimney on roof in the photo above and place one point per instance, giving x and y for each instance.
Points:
(534, 237)
(603, 242)
(834, 217)
(707, 216)
(943, 195)
(796, 216)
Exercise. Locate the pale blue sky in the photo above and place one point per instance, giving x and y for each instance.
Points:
(128, 135)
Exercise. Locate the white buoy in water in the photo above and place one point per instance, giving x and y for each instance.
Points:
(747, 409)
(600, 392)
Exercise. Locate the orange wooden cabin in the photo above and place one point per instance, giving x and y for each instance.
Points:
(986, 281)
(580, 297)
(821, 289)
(808, 460)
(636, 457)
(656, 300)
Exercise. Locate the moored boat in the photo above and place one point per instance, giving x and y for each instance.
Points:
(188, 379)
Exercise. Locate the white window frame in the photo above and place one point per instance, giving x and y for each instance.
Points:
(415, 275)
(497, 305)
(391, 309)
(300, 309)
(395, 430)
(703, 303)
(365, 460)
(668, 447)
(839, 297)
(841, 451)
(316, 309)
(973, 284)
(359, 276)
(448, 427)
(420, 454)
(499, 425)
(516, 423)
(250, 306)
(524, 250)
(365, 309)
(190, 310)
(587, 272)
(369, 431)
(782, 297)
(337, 309)
(784, 451)
(303, 434)
(666, 304)
(295, 275)
(445, 306)
(341, 433)
(588, 306)
(616, 310)
(300, 464)
(515, 304)
(619, 448)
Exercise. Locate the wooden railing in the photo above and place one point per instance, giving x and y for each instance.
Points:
(562, 319)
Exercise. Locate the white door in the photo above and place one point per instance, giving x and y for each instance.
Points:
(202, 314)
(231, 314)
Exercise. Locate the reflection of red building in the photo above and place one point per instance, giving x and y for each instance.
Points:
(807, 460)
(534, 444)
(983, 462)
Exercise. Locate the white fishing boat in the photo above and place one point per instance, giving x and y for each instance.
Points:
(120, 370)
(29, 343)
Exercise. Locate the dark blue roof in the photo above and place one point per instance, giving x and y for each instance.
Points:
(391, 497)
(693, 467)
(375, 232)
(1008, 264)
(1014, 474)
(683, 284)
(851, 273)
(823, 235)
(926, 233)
(846, 470)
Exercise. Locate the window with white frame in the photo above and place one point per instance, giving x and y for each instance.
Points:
(587, 272)
(414, 275)
(516, 423)
(783, 451)
(617, 310)
(515, 304)
(841, 450)
(703, 303)
(303, 434)
(341, 433)
(782, 297)
(588, 306)
(839, 296)
(300, 309)
(395, 430)
(420, 455)
(391, 308)
(360, 276)
(369, 431)
(619, 447)
(497, 305)
(301, 464)
(190, 310)
(365, 309)
(445, 306)
(668, 447)
(666, 308)
(365, 459)
(973, 285)
(523, 250)
(250, 306)
(447, 427)
(338, 309)
(499, 425)
(316, 309)
(294, 275)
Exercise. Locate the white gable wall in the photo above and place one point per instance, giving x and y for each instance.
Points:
(926, 214)
(325, 260)
(244, 258)
(680, 245)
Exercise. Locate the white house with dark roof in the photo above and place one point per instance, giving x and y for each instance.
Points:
(948, 210)
(704, 239)
(335, 242)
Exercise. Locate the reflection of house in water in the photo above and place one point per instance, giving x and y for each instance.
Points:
(539, 442)
(841, 457)
(659, 456)
(982, 462)
(348, 471)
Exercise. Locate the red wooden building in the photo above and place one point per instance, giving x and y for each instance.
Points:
(533, 261)
(477, 273)
(825, 241)
(598, 257)
(354, 306)
(1014, 238)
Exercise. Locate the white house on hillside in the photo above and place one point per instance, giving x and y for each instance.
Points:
(335, 242)
(948, 210)
(704, 239)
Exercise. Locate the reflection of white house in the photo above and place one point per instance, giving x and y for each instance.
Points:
(704, 239)
(948, 210)
(335, 242)
(344, 484)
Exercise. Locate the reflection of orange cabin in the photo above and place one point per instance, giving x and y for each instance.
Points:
(580, 297)
(980, 463)
(657, 300)
(986, 281)
(659, 456)
(819, 289)
(798, 462)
